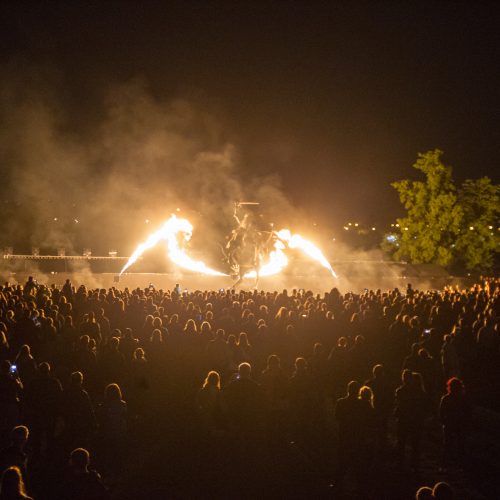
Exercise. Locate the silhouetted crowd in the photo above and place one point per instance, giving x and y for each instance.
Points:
(340, 387)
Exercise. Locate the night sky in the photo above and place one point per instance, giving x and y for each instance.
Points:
(335, 98)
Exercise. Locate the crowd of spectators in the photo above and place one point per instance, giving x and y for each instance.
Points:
(351, 380)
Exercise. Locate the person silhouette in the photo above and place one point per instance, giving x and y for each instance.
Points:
(12, 485)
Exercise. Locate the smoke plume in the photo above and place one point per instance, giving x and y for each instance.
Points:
(106, 183)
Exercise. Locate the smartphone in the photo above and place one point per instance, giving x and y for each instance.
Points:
(13, 369)
(221, 290)
(427, 331)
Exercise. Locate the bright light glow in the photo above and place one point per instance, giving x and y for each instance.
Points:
(373, 229)
(171, 231)
(391, 238)
(175, 232)
(471, 228)
(297, 241)
(277, 262)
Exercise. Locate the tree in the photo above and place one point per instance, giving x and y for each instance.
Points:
(477, 242)
(433, 218)
(444, 225)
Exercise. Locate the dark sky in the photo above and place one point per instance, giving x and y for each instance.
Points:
(337, 98)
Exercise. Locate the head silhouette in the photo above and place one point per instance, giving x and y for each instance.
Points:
(19, 435)
(80, 459)
(212, 380)
(353, 388)
(455, 386)
(76, 379)
(443, 491)
(112, 393)
(12, 485)
(244, 370)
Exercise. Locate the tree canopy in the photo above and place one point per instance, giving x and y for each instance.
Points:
(444, 224)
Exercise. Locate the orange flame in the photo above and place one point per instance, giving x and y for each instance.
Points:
(174, 228)
(278, 260)
(297, 241)
(170, 231)
(276, 263)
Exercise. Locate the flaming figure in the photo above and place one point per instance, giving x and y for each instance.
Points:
(170, 232)
(174, 229)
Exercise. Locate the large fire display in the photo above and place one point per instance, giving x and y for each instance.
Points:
(249, 251)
